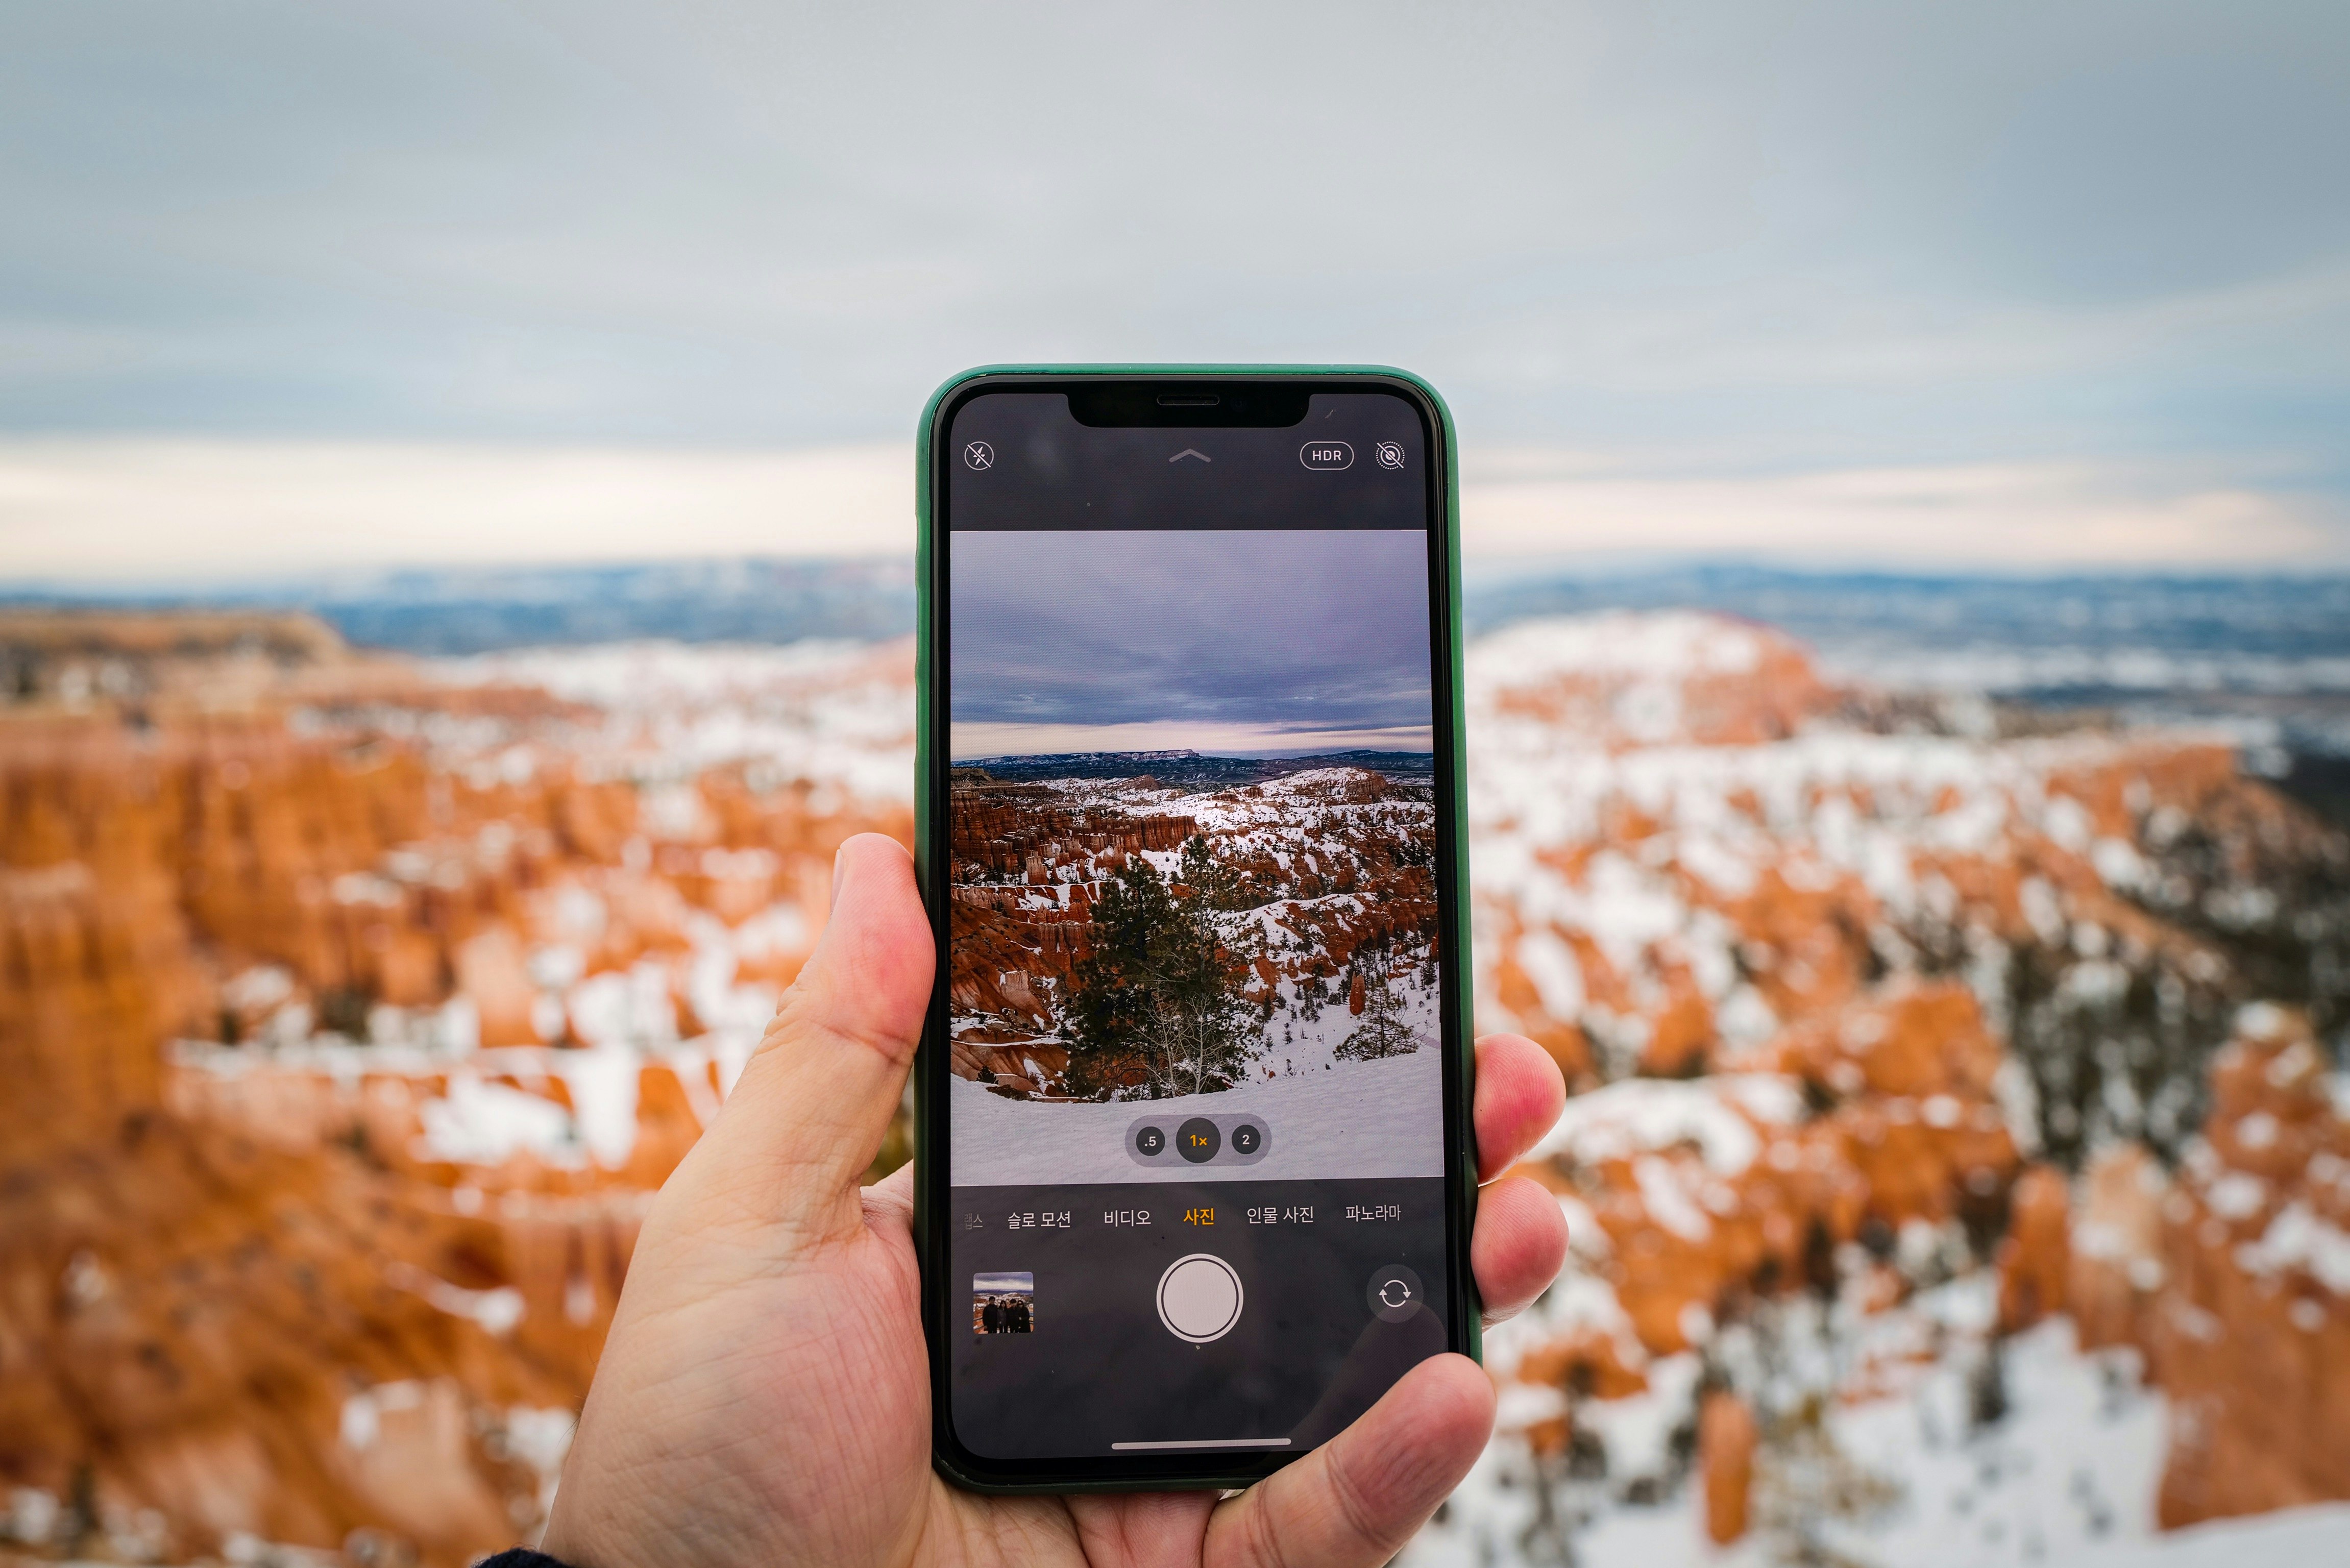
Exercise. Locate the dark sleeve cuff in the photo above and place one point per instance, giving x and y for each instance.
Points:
(521, 1557)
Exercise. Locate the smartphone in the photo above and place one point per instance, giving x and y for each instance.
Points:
(1193, 1152)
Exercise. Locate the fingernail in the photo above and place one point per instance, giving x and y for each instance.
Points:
(840, 869)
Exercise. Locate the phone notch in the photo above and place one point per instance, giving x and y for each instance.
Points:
(1188, 405)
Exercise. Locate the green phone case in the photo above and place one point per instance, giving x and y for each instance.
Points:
(1456, 931)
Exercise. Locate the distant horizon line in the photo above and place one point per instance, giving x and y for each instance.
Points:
(274, 586)
(1184, 753)
(111, 508)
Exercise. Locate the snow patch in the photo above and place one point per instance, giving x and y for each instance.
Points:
(1646, 1115)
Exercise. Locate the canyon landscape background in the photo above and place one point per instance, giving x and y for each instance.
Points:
(455, 566)
(1959, 1161)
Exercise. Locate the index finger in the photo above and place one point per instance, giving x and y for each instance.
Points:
(1519, 1096)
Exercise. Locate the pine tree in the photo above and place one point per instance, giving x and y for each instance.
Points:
(1213, 882)
(1153, 998)
(1383, 1032)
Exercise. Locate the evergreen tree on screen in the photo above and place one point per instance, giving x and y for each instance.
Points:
(1383, 1032)
(1152, 1012)
(1216, 885)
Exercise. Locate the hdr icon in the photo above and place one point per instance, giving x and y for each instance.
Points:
(1327, 454)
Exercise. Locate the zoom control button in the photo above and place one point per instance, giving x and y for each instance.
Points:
(1216, 1138)
(1394, 1294)
(1197, 1140)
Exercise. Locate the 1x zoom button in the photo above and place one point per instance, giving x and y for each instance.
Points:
(1197, 1140)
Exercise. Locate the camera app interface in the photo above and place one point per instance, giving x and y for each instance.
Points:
(1195, 1116)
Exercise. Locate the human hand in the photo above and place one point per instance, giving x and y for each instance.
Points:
(764, 1394)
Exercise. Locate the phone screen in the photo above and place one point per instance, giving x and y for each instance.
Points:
(1194, 1103)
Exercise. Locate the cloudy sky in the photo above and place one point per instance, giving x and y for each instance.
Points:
(1219, 642)
(1986, 283)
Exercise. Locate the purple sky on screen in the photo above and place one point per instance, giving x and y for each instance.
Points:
(1279, 636)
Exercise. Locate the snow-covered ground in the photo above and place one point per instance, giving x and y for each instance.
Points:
(1908, 1478)
(625, 1020)
(1350, 1119)
(838, 714)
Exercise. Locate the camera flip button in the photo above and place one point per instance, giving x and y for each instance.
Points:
(1394, 1294)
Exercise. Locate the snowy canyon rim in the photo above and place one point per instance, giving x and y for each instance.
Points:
(1707, 880)
(1070, 895)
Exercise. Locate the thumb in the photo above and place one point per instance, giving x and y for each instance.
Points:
(809, 1111)
(1358, 1498)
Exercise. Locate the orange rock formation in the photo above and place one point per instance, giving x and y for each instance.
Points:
(2233, 1278)
(1726, 1436)
(348, 1015)
(1032, 861)
(318, 1273)
(1826, 975)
